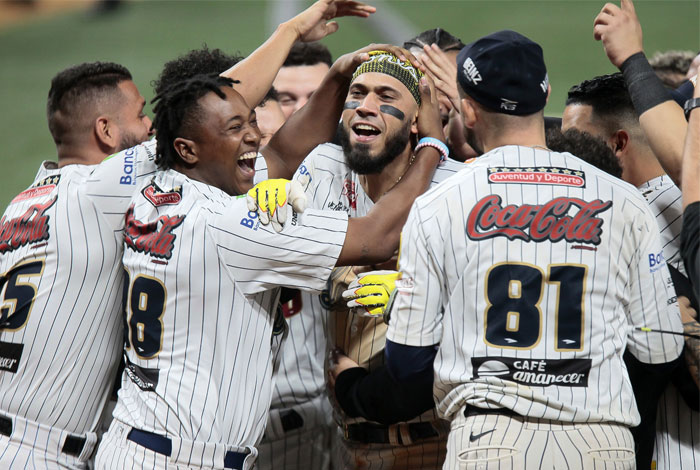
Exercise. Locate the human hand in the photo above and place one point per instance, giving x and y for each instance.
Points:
(313, 23)
(619, 30)
(269, 199)
(371, 294)
(338, 364)
(443, 71)
(347, 64)
(429, 121)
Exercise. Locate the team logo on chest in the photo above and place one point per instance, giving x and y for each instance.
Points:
(158, 197)
(547, 222)
(30, 227)
(152, 238)
(350, 193)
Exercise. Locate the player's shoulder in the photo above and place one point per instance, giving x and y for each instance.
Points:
(446, 169)
(328, 157)
(125, 166)
(660, 188)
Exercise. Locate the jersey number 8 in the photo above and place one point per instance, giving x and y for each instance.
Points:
(144, 305)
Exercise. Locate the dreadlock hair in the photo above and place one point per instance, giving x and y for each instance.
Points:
(77, 87)
(608, 97)
(195, 62)
(444, 40)
(177, 109)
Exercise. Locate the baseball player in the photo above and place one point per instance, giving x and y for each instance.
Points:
(202, 323)
(602, 107)
(60, 246)
(530, 270)
(378, 130)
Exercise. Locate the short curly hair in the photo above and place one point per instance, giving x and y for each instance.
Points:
(308, 53)
(196, 62)
(608, 97)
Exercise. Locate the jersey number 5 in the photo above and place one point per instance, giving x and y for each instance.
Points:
(144, 305)
(18, 293)
(513, 318)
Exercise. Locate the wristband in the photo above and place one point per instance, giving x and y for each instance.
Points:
(436, 144)
(644, 87)
(690, 105)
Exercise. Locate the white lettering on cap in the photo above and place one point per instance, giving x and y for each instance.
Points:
(472, 72)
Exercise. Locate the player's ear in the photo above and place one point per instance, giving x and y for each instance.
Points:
(106, 133)
(186, 149)
(468, 111)
(549, 92)
(414, 124)
(620, 141)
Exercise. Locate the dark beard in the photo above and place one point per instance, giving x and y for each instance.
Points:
(361, 162)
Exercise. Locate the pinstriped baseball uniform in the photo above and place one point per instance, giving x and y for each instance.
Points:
(529, 268)
(60, 336)
(297, 434)
(678, 426)
(334, 186)
(664, 198)
(203, 322)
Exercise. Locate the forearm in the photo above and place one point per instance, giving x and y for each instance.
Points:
(690, 178)
(661, 119)
(377, 397)
(374, 238)
(257, 71)
(315, 123)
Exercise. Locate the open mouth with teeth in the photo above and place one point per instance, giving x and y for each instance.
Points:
(365, 132)
(246, 163)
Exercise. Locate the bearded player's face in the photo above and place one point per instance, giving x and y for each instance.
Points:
(226, 141)
(379, 117)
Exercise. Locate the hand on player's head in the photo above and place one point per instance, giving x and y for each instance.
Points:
(619, 30)
(429, 121)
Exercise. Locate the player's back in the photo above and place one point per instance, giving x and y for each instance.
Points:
(546, 263)
(60, 250)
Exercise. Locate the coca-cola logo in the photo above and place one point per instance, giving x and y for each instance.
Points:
(30, 227)
(550, 221)
(152, 238)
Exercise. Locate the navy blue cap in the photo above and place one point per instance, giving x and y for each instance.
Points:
(504, 72)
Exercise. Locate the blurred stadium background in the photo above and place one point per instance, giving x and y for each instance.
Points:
(40, 37)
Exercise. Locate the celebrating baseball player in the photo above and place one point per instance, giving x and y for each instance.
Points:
(378, 135)
(529, 271)
(60, 331)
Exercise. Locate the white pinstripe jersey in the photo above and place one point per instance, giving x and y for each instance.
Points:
(530, 269)
(664, 198)
(678, 426)
(334, 186)
(60, 250)
(201, 307)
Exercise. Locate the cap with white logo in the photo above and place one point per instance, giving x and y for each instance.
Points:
(504, 72)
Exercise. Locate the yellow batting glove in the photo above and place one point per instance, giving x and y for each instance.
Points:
(269, 199)
(372, 293)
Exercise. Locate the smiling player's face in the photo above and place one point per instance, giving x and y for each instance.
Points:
(227, 140)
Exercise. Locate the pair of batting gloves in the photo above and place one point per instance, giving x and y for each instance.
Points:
(372, 293)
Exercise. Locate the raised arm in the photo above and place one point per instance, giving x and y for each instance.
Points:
(258, 70)
(660, 117)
